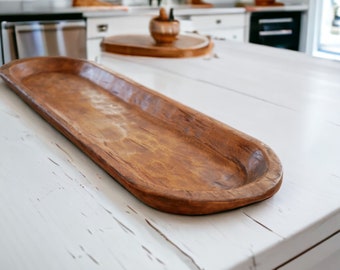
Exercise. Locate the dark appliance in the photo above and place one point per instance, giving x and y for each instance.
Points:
(276, 29)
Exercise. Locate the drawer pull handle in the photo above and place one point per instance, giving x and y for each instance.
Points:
(218, 21)
(102, 27)
(282, 32)
(276, 20)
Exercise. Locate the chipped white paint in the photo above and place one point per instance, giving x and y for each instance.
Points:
(60, 211)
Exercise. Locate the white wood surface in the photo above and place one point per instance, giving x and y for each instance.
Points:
(323, 256)
(60, 211)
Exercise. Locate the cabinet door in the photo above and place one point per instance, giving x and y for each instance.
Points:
(93, 49)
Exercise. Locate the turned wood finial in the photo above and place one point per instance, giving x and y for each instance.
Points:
(162, 15)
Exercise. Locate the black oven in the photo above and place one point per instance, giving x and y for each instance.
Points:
(277, 29)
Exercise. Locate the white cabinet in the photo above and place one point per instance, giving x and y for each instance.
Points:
(226, 26)
(98, 28)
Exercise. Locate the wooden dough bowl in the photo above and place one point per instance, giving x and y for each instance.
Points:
(169, 156)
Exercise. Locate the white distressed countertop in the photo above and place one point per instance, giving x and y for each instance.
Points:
(61, 211)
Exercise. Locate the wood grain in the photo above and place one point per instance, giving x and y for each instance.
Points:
(169, 156)
(144, 45)
(87, 3)
(253, 6)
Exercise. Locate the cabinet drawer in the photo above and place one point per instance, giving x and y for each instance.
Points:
(103, 27)
(99, 27)
(218, 21)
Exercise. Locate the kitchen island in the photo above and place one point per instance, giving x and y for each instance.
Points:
(61, 211)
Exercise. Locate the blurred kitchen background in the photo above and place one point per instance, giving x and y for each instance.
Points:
(319, 32)
(68, 3)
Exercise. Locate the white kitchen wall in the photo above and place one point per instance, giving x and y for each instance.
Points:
(127, 2)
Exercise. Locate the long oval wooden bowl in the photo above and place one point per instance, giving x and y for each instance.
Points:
(169, 156)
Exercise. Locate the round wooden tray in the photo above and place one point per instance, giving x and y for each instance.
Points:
(144, 45)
